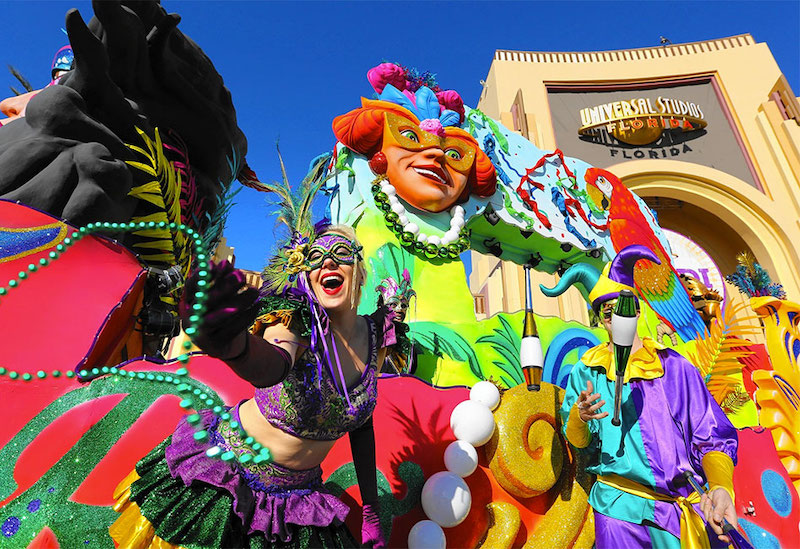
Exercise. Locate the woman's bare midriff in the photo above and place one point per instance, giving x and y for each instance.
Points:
(287, 450)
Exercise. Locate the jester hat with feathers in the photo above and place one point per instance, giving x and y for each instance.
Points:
(389, 288)
(598, 287)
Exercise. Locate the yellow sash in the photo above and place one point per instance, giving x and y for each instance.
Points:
(693, 528)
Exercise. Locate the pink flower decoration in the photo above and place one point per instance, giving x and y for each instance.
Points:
(450, 99)
(387, 73)
(432, 125)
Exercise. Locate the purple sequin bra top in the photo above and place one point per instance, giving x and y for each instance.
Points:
(308, 405)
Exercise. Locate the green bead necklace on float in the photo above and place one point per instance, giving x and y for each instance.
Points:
(449, 251)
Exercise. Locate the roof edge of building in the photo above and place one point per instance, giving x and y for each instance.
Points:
(653, 52)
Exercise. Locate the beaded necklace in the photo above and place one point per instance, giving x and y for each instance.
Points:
(191, 391)
(447, 247)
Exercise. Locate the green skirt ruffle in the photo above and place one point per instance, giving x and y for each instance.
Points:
(201, 516)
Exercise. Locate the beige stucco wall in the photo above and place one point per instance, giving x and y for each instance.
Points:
(502, 284)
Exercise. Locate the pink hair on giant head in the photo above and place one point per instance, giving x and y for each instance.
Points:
(387, 73)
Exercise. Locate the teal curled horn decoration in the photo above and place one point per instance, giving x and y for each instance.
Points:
(584, 275)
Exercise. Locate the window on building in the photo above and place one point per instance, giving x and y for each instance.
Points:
(480, 304)
(518, 116)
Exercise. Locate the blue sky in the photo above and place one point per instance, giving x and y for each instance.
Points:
(293, 66)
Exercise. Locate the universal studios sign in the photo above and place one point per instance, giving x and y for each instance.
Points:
(641, 121)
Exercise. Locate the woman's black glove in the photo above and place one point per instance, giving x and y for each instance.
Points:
(231, 307)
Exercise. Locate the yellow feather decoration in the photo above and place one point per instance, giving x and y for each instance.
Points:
(717, 354)
(164, 193)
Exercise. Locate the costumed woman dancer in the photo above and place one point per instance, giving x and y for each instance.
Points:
(670, 424)
(315, 375)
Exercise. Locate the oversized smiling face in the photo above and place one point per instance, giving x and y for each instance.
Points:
(427, 171)
(332, 259)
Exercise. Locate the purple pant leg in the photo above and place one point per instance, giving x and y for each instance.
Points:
(610, 533)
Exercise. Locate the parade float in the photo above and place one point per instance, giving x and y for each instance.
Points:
(122, 196)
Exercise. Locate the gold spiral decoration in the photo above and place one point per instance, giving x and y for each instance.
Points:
(503, 526)
(528, 456)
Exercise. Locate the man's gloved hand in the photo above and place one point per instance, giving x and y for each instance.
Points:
(231, 307)
(371, 534)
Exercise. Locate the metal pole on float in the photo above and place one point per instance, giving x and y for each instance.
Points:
(530, 353)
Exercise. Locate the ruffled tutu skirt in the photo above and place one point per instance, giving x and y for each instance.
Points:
(179, 497)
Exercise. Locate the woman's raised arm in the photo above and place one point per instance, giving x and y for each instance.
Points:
(230, 308)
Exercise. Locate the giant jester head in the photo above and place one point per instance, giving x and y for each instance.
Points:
(446, 178)
(411, 135)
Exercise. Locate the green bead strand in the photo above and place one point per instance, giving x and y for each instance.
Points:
(259, 453)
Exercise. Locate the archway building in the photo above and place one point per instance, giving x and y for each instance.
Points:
(724, 173)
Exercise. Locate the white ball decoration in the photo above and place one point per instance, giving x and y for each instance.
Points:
(435, 240)
(398, 208)
(461, 458)
(456, 415)
(422, 237)
(402, 219)
(389, 190)
(413, 228)
(472, 422)
(426, 534)
(486, 393)
(446, 499)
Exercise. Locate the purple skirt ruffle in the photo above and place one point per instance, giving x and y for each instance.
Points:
(266, 497)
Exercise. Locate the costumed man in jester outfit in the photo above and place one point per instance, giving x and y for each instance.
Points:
(670, 424)
(397, 297)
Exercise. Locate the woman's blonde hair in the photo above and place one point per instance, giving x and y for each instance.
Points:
(360, 272)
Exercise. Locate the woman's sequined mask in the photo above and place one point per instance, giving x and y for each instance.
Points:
(335, 246)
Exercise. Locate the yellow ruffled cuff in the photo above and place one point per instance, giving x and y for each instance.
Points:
(577, 430)
(718, 468)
